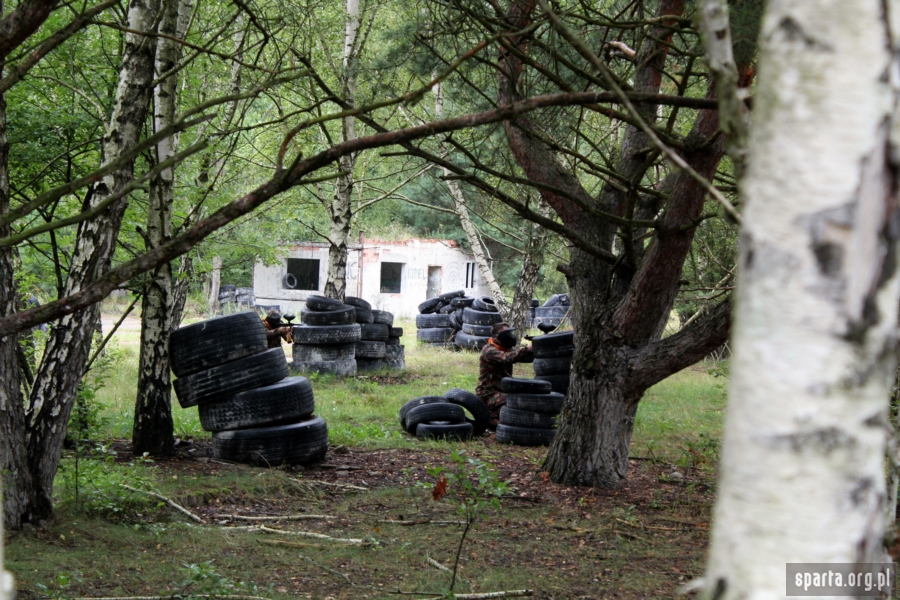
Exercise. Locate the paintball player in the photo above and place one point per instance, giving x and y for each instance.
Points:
(496, 362)
(276, 329)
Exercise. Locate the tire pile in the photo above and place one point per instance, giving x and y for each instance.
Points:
(258, 415)
(443, 417)
(439, 319)
(553, 358)
(529, 416)
(379, 344)
(553, 311)
(477, 320)
(326, 339)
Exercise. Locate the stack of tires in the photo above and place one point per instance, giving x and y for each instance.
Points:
(438, 320)
(529, 416)
(258, 415)
(477, 320)
(375, 329)
(394, 351)
(326, 339)
(443, 417)
(553, 358)
(553, 311)
(227, 295)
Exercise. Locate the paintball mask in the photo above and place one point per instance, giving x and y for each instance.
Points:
(507, 338)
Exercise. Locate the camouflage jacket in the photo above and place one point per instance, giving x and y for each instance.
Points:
(274, 335)
(495, 364)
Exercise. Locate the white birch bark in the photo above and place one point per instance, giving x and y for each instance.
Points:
(802, 469)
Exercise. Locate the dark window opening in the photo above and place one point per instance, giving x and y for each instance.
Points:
(470, 275)
(302, 274)
(391, 274)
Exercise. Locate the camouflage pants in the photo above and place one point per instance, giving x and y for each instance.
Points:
(494, 402)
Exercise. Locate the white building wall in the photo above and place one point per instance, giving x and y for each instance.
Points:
(416, 255)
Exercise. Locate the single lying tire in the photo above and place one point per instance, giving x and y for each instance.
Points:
(417, 402)
(369, 349)
(354, 301)
(363, 315)
(204, 345)
(396, 332)
(518, 385)
(559, 383)
(485, 304)
(435, 335)
(479, 330)
(552, 345)
(297, 443)
(524, 436)
(481, 415)
(445, 431)
(453, 322)
(228, 287)
(287, 401)
(470, 342)
(384, 317)
(394, 352)
(447, 296)
(392, 341)
(315, 302)
(346, 315)
(327, 334)
(228, 379)
(550, 403)
(446, 309)
(462, 301)
(480, 317)
(308, 353)
(365, 365)
(429, 306)
(552, 366)
(438, 411)
(526, 418)
(338, 368)
(374, 331)
(432, 320)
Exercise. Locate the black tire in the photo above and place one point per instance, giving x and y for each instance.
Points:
(446, 309)
(435, 335)
(297, 443)
(346, 315)
(439, 411)
(518, 385)
(392, 341)
(550, 403)
(204, 345)
(429, 306)
(453, 322)
(471, 342)
(384, 317)
(556, 300)
(228, 379)
(354, 301)
(396, 332)
(287, 401)
(524, 436)
(224, 289)
(484, 304)
(480, 317)
(404, 410)
(552, 366)
(397, 352)
(481, 415)
(374, 331)
(559, 383)
(552, 345)
(526, 418)
(462, 301)
(446, 297)
(369, 349)
(366, 365)
(319, 353)
(432, 320)
(364, 315)
(289, 281)
(479, 330)
(316, 302)
(338, 368)
(327, 334)
(445, 431)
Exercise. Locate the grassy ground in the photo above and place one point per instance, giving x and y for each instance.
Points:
(641, 541)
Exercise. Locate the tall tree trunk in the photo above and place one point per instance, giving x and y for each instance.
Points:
(340, 212)
(532, 261)
(180, 293)
(802, 469)
(153, 430)
(68, 346)
(18, 485)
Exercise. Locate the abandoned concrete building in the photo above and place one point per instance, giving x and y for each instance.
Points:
(392, 275)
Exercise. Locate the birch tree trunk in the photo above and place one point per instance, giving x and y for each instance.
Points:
(802, 471)
(153, 430)
(68, 346)
(340, 211)
(532, 260)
